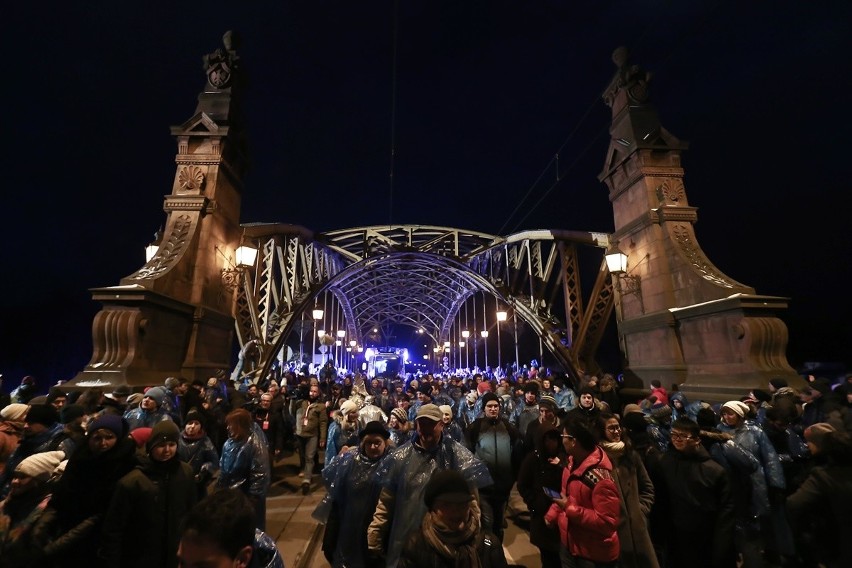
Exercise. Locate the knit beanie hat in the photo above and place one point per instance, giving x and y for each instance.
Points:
(134, 399)
(488, 397)
(14, 412)
(107, 421)
(635, 422)
(41, 465)
(739, 408)
(54, 393)
(761, 395)
(348, 406)
(194, 415)
(549, 402)
(706, 418)
(374, 427)
(171, 383)
(121, 390)
(425, 389)
(42, 414)
(446, 485)
(631, 409)
(141, 435)
(661, 411)
(446, 409)
(158, 394)
(400, 414)
(71, 412)
(162, 432)
(816, 433)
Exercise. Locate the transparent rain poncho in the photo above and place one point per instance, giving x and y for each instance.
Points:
(352, 488)
(405, 472)
(244, 465)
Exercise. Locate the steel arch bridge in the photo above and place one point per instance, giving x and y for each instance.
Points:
(421, 276)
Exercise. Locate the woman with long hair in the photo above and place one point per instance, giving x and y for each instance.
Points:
(636, 491)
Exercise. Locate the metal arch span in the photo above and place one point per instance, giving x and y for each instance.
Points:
(420, 276)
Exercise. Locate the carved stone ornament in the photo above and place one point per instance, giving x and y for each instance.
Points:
(690, 249)
(191, 178)
(221, 65)
(629, 78)
(672, 191)
(169, 251)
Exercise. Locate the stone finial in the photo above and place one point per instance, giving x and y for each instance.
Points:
(221, 65)
(628, 78)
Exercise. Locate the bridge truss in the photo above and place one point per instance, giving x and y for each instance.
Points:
(421, 276)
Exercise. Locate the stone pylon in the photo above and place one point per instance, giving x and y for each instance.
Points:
(680, 319)
(174, 316)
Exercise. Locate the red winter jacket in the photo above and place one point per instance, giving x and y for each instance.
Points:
(589, 529)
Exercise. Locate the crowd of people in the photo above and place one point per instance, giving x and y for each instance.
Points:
(418, 471)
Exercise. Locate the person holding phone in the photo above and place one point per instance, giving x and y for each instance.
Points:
(539, 479)
(589, 513)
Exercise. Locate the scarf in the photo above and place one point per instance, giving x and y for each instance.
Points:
(454, 544)
(613, 449)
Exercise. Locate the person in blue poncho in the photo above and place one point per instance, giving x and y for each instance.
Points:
(404, 473)
(352, 494)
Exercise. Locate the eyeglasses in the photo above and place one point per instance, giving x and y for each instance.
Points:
(679, 436)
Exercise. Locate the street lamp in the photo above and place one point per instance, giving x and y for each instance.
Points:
(317, 315)
(465, 334)
(625, 283)
(484, 334)
(517, 357)
(501, 317)
(341, 333)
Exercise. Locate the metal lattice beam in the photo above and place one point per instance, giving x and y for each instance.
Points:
(421, 276)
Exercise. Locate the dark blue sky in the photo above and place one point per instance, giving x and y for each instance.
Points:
(486, 94)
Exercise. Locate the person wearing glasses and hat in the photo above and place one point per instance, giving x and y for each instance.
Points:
(696, 505)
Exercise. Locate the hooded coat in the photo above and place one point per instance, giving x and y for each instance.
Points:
(589, 531)
(403, 474)
(697, 508)
(80, 500)
(146, 508)
(541, 469)
(347, 508)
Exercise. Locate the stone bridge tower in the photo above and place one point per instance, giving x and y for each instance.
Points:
(680, 319)
(174, 315)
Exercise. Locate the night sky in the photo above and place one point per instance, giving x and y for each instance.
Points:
(482, 96)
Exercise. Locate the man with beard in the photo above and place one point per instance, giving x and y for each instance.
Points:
(311, 429)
